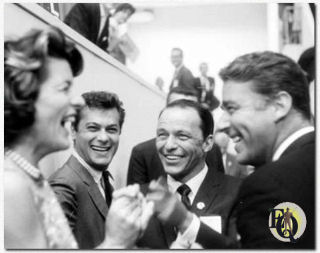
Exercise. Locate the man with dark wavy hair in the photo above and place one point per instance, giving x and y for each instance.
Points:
(82, 184)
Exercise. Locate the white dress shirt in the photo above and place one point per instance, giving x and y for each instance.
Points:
(103, 18)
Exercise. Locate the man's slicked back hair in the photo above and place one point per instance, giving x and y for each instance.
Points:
(207, 122)
(271, 73)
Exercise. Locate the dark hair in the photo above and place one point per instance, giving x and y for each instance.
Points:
(206, 124)
(178, 49)
(271, 72)
(102, 100)
(183, 91)
(24, 68)
(307, 63)
(125, 7)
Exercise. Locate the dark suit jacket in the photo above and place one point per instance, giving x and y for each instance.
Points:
(145, 164)
(82, 203)
(218, 193)
(207, 96)
(289, 179)
(211, 82)
(85, 19)
(185, 79)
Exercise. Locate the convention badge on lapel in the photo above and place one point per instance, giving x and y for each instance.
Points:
(200, 205)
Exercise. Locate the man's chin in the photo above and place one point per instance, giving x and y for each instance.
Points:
(101, 165)
(172, 170)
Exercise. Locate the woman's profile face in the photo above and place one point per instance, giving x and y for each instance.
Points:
(54, 107)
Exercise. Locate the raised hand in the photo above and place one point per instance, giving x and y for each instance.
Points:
(167, 206)
(127, 218)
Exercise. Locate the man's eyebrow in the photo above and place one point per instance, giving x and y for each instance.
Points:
(92, 123)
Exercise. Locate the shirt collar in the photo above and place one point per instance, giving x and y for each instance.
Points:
(194, 183)
(289, 140)
(94, 173)
(103, 11)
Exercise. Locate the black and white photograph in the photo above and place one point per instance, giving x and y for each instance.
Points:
(159, 125)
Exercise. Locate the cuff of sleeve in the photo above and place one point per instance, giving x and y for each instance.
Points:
(188, 238)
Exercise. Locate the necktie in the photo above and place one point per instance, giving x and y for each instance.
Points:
(108, 189)
(184, 190)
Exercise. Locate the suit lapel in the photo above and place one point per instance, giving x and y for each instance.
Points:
(93, 189)
(207, 193)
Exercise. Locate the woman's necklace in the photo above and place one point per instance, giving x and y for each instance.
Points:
(24, 164)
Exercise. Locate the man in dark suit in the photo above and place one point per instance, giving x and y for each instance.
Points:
(144, 163)
(82, 184)
(184, 136)
(267, 114)
(92, 20)
(206, 86)
(182, 76)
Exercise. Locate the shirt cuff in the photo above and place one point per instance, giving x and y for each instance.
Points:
(188, 238)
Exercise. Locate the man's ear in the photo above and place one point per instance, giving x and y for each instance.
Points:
(208, 143)
(283, 104)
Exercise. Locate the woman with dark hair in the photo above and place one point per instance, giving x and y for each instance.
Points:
(38, 110)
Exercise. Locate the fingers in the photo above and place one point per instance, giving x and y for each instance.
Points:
(146, 215)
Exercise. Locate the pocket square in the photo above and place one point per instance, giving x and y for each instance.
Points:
(213, 221)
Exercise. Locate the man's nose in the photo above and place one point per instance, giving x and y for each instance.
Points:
(103, 136)
(171, 143)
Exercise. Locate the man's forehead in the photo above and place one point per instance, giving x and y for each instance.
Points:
(179, 115)
(92, 112)
(234, 90)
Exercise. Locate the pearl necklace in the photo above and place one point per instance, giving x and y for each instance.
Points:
(24, 164)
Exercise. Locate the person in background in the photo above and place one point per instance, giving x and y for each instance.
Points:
(307, 63)
(231, 166)
(83, 185)
(95, 22)
(91, 20)
(207, 86)
(182, 76)
(184, 138)
(38, 110)
(118, 30)
(144, 163)
(267, 114)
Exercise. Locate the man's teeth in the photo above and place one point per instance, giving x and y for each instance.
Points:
(172, 157)
(100, 148)
(236, 139)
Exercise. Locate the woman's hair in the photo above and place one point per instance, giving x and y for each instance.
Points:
(24, 65)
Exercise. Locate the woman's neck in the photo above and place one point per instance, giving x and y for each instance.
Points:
(27, 150)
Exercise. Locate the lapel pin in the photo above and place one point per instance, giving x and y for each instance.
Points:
(200, 205)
